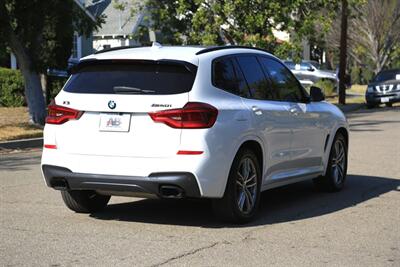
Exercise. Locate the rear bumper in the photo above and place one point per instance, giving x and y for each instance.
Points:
(184, 184)
(377, 98)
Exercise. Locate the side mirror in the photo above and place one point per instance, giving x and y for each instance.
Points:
(316, 94)
(310, 68)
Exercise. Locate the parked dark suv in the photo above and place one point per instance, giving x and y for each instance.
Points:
(384, 89)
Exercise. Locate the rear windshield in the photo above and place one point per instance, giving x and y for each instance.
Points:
(160, 78)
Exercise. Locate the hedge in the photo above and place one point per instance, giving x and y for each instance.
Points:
(327, 86)
(11, 88)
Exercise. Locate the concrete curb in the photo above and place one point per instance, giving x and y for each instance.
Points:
(22, 143)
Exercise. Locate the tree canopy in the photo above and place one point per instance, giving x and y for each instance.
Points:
(374, 34)
(40, 34)
(243, 22)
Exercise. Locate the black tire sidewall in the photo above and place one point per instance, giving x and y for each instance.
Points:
(84, 201)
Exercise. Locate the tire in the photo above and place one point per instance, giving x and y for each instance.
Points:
(336, 172)
(389, 105)
(84, 201)
(241, 198)
(370, 106)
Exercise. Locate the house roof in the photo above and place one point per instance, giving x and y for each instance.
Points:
(117, 22)
(87, 12)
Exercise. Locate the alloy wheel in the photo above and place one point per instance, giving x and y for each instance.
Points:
(338, 162)
(246, 185)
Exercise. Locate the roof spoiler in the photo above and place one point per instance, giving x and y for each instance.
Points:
(87, 62)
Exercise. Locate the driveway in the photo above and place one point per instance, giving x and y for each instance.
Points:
(297, 226)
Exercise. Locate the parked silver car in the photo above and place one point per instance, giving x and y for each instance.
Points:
(309, 72)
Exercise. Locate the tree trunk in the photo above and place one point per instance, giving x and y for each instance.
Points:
(343, 54)
(33, 88)
(34, 96)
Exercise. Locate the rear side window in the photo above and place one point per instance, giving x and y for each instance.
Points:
(227, 76)
(283, 80)
(305, 66)
(131, 78)
(255, 77)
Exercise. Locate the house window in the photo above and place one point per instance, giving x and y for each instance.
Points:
(76, 47)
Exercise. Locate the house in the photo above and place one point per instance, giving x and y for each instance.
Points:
(120, 27)
(82, 45)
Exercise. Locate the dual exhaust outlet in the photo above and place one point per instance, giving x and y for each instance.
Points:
(165, 191)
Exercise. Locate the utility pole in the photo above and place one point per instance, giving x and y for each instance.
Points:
(343, 53)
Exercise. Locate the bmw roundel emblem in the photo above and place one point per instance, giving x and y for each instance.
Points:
(111, 104)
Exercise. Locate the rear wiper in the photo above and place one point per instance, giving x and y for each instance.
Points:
(130, 90)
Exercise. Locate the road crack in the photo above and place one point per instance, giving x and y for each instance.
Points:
(189, 253)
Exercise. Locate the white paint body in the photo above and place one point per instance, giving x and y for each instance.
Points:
(292, 135)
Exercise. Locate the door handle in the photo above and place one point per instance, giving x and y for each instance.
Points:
(256, 110)
(294, 111)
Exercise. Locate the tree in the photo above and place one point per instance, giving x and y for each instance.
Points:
(241, 22)
(373, 33)
(376, 29)
(343, 52)
(40, 34)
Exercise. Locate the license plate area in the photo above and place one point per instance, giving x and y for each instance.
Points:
(385, 99)
(115, 122)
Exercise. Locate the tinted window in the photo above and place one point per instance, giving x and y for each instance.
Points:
(386, 76)
(228, 77)
(157, 78)
(256, 80)
(316, 64)
(283, 80)
(305, 66)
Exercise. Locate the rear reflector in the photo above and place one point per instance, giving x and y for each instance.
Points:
(193, 115)
(59, 114)
(189, 152)
(50, 146)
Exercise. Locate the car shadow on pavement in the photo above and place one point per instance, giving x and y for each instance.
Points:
(290, 203)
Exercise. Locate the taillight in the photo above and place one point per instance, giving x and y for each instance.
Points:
(59, 114)
(193, 115)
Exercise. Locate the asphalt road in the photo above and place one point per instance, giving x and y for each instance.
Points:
(297, 226)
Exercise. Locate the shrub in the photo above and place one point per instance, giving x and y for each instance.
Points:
(327, 86)
(11, 88)
(55, 84)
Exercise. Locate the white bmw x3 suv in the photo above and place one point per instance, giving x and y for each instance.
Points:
(223, 123)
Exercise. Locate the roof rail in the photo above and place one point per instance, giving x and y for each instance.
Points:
(216, 48)
(116, 48)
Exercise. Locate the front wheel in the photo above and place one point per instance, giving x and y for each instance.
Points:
(242, 194)
(84, 201)
(337, 167)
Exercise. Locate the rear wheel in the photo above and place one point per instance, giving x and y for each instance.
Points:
(84, 201)
(242, 194)
(337, 167)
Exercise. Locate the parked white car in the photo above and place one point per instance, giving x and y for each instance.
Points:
(223, 123)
